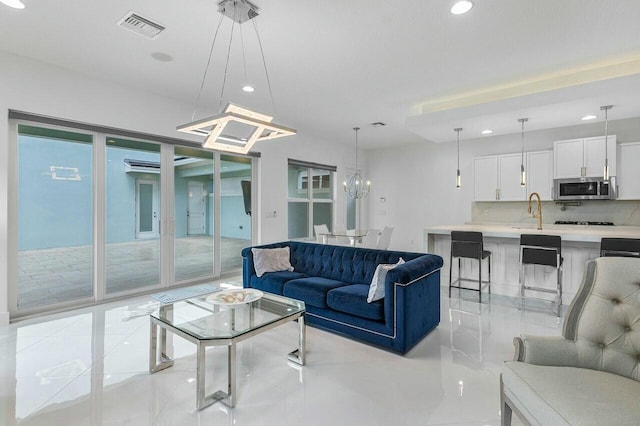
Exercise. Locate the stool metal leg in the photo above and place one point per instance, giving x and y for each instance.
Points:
(559, 297)
(489, 260)
(480, 279)
(450, 273)
(521, 282)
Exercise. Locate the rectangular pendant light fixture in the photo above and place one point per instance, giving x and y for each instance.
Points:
(258, 126)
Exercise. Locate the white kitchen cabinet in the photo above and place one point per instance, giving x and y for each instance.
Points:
(509, 188)
(583, 157)
(539, 173)
(629, 171)
(497, 178)
(485, 178)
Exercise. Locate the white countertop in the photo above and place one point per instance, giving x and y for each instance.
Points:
(584, 233)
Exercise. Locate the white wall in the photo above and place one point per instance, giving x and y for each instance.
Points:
(39, 88)
(418, 181)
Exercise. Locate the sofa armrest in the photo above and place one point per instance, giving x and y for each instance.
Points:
(414, 269)
(543, 350)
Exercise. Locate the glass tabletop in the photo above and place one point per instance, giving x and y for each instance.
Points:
(205, 320)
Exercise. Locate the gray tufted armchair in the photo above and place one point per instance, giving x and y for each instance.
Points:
(590, 375)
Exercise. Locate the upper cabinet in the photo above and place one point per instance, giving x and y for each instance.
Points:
(628, 171)
(540, 173)
(583, 157)
(509, 188)
(485, 178)
(497, 177)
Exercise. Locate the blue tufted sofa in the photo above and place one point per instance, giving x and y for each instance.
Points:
(333, 281)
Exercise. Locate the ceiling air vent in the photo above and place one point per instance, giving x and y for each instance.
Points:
(140, 25)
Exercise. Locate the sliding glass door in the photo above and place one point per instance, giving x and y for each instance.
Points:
(132, 220)
(96, 215)
(194, 210)
(54, 217)
(235, 210)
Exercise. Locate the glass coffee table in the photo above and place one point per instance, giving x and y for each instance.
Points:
(215, 320)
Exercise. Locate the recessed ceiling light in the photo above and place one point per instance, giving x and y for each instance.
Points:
(248, 88)
(16, 4)
(487, 132)
(589, 117)
(461, 7)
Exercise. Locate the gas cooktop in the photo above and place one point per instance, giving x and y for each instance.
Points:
(581, 222)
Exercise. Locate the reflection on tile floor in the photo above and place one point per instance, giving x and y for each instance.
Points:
(89, 367)
(55, 275)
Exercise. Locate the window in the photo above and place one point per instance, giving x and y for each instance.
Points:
(309, 206)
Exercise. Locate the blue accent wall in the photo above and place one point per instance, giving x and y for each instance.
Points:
(54, 212)
(234, 222)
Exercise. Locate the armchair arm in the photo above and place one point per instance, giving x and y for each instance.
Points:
(543, 350)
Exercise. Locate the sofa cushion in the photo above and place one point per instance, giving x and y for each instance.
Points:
(311, 290)
(273, 282)
(352, 299)
(572, 396)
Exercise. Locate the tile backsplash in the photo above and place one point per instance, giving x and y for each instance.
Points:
(617, 211)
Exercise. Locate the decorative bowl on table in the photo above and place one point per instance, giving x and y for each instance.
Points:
(234, 296)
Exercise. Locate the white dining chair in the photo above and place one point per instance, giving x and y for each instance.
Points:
(385, 238)
(371, 239)
(322, 233)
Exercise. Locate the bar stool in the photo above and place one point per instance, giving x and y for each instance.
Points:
(620, 247)
(543, 250)
(468, 245)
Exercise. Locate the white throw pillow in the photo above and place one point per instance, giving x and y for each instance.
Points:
(271, 260)
(376, 289)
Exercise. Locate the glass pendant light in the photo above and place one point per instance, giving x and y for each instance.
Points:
(356, 186)
(523, 179)
(606, 109)
(458, 182)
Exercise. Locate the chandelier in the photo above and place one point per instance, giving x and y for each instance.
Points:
(356, 186)
(236, 129)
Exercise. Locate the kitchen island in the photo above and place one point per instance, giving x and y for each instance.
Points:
(580, 243)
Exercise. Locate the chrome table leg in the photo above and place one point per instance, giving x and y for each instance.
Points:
(298, 356)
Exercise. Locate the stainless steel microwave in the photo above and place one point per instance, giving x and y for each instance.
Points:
(585, 188)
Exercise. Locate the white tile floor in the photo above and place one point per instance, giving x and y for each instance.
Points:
(89, 367)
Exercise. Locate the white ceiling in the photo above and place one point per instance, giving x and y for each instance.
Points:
(337, 64)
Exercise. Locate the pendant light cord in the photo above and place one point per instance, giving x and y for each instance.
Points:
(522, 141)
(226, 66)
(244, 58)
(458, 131)
(606, 135)
(264, 63)
(204, 77)
(356, 129)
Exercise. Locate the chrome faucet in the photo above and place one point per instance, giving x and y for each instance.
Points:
(538, 214)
